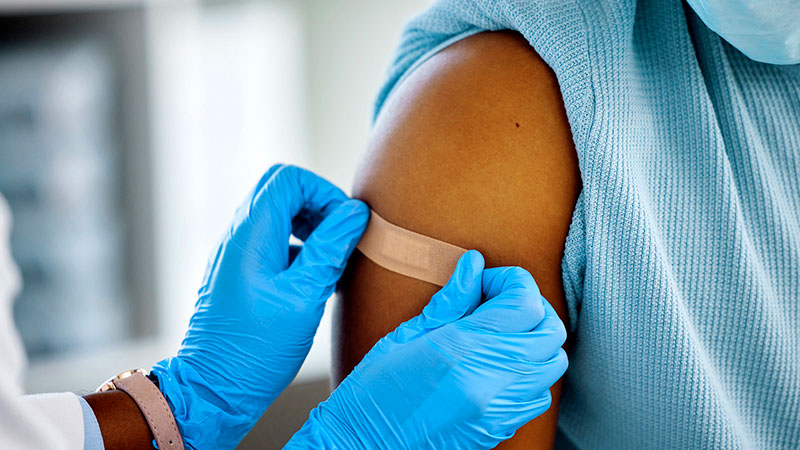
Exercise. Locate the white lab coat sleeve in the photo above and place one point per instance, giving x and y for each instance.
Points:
(33, 422)
(62, 412)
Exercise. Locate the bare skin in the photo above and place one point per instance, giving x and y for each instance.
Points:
(121, 422)
(474, 148)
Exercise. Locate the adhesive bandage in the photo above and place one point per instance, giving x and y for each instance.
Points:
(408, 253)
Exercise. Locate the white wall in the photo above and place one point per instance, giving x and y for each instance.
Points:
(350, 44)
(233, 88)
(227, 85)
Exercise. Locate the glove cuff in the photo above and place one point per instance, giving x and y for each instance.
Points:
(311, 436)
(318, 433)
(203, 418)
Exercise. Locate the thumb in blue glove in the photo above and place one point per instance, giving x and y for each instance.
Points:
(260, 305)
(463, 374)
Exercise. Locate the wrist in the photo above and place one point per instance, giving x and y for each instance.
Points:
(124, 402)
(121, 423)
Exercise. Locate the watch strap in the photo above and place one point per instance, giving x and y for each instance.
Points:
(155, 410)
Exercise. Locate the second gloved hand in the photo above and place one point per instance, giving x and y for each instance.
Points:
(260, 305)
(463, 374)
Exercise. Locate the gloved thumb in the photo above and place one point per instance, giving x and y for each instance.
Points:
(458, 298)
(324, 254)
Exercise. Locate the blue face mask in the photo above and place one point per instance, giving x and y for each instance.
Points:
(764, 30)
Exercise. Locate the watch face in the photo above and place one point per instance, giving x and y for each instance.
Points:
(129, 373)
(108, 385)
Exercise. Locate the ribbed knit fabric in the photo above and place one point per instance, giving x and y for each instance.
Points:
(682, 265)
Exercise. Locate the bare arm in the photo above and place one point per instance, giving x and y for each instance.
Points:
(473, 148)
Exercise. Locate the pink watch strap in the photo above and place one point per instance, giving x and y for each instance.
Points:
(155, 409)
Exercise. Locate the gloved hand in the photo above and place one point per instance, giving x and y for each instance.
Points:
(259, 308)
(460, 375)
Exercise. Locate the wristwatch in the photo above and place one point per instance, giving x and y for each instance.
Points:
(152, 403)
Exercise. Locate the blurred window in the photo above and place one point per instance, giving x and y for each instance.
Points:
(63, 174)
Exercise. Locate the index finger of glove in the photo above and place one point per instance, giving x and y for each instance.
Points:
(289, 194)
(513, 304)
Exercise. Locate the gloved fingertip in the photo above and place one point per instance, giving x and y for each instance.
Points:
(330, 245)
(353, 218)
(468, 271)
(473, 263)
(462, 293)
(348, 218)
(466, 276)
(361, 211)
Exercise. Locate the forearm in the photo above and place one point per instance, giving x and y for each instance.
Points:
(121, 422)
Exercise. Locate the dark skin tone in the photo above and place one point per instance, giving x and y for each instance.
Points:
(473, 148)
(121, 423)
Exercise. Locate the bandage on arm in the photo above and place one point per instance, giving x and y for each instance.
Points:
(408, 253)
(473, 149)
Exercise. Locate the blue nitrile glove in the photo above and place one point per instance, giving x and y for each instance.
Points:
(460, 375)
(259, 308)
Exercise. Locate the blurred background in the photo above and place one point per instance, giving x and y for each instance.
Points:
(130, 130)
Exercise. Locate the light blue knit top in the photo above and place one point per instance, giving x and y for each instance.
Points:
(682, 265)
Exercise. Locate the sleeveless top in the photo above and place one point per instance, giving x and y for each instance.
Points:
(682, 264)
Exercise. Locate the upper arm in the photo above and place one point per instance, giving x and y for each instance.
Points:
(473, 148)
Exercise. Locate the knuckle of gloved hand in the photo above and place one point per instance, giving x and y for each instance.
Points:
(558, 363)
(530, 309)
(552, 328)
(543, 402)
(534, 308)
(523, 285)
(544, 351)
(519, 277)
(444, 309)
(285, 173)
(560, 333)
(275, 168)
(289, 169)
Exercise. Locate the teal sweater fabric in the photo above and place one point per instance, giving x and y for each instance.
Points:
(682, 265)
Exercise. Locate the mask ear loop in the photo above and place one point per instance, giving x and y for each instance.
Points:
(408, 253)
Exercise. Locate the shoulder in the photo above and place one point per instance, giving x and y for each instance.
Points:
(474, 148)
(490, 66)
(495, 78)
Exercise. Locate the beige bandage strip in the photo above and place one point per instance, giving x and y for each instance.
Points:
(409, 253)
